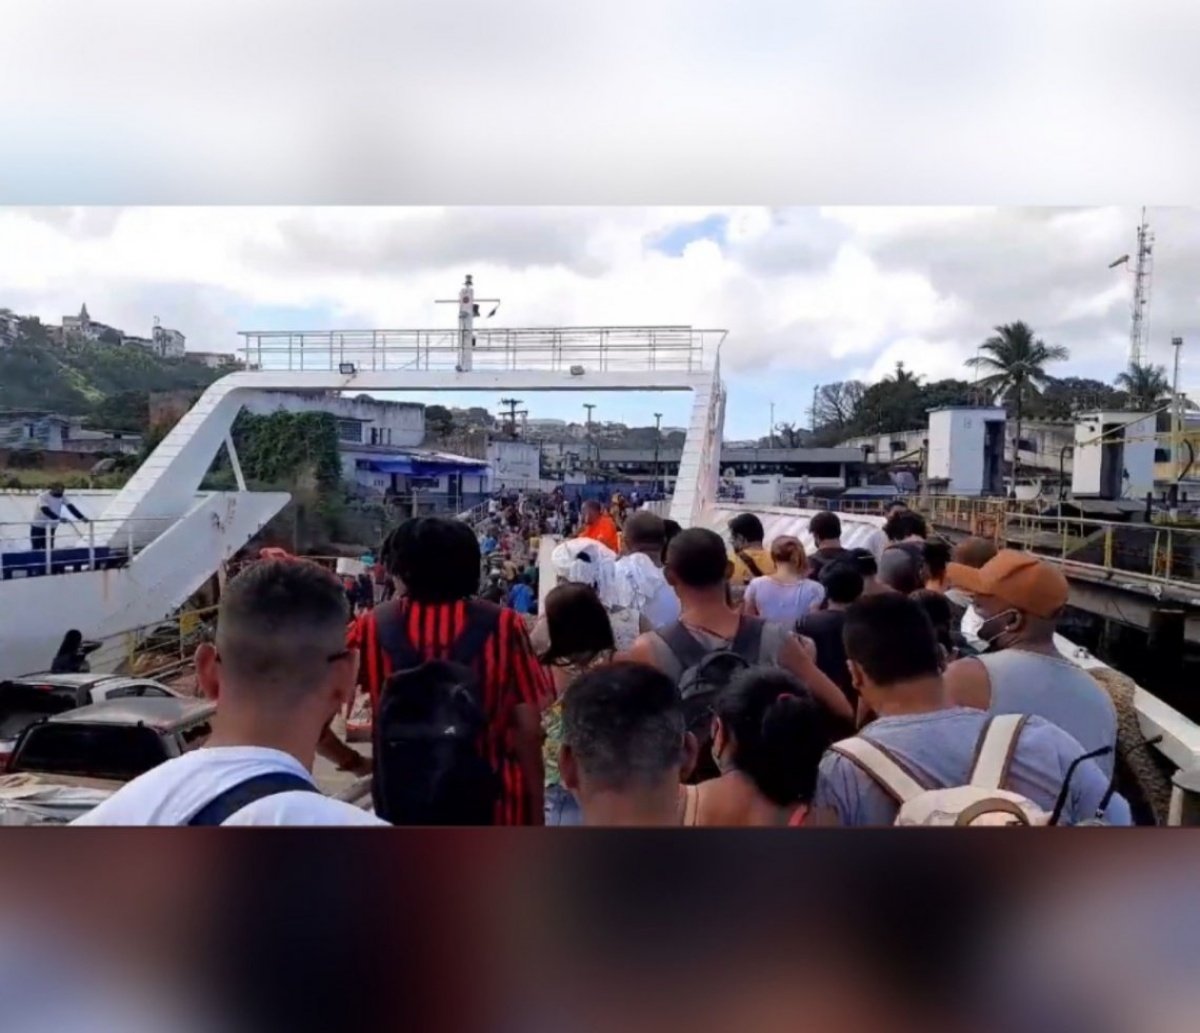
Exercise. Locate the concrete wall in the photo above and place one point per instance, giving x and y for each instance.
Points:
(399, 424)
(514, 464)
(880, 445)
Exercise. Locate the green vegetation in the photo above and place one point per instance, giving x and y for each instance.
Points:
(106, 382)
(1015, 362)
(296, 453)
(1145, 385)
(285, 446)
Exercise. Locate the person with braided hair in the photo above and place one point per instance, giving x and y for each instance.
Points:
(435, 563)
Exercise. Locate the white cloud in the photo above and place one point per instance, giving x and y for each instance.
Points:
(808, 295)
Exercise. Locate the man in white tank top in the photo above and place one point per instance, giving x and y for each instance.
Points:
(1020, 599)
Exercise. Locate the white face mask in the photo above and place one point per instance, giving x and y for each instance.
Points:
(991, 640)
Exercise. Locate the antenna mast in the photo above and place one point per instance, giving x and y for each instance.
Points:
(1143, 266)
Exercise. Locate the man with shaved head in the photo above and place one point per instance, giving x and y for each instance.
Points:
(278, 671)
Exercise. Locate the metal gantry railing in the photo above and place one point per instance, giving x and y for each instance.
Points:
(598, 348)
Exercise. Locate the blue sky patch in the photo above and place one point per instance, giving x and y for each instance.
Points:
(672, 241)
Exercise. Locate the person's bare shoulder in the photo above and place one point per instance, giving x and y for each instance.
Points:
(967, 683)
(641, 652)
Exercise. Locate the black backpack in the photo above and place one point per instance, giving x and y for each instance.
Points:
(705, 673)
(429, 765)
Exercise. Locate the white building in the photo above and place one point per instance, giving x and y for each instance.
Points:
(78, 438)
(214, 360)
(10, 324)
(514, 464)
(85, 327)
(437, 477)
(1114, 455)
(965, 455)
(168, 343)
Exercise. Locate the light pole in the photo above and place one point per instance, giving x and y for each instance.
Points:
(1176, 412)
(657, 447)
(589, 406)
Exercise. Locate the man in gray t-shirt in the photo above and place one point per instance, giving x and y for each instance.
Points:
(1020, 599)
(894, 664)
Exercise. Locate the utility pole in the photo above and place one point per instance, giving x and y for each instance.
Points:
(812, 413)
(657, 447)
(771, 436)
(512, 414)
(589, 406)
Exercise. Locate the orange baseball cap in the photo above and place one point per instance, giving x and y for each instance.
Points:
(1020, 579)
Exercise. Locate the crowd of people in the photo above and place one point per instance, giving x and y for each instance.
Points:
(671, 678)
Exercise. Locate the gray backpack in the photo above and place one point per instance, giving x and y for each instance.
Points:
(705, 673)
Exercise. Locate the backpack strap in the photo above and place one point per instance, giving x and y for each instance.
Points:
(482, 622)
(994, 753)
(751, 566)
(747, 643)
(392, 636)
(682, 643)
(225, 805)
(884, 769)
(995, 805)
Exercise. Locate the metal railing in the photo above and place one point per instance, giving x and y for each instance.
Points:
(1164, 552)
(74, 546)
(599, 349)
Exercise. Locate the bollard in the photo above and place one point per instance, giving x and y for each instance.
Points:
(1185, 798)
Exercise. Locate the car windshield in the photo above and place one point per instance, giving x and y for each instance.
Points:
(118, 752)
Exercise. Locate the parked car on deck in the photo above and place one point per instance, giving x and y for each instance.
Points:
(24, 700)
(66, 764)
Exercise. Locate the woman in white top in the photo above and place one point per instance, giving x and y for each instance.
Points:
(788, 594)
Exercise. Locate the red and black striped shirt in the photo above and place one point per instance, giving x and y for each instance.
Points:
(508, 670)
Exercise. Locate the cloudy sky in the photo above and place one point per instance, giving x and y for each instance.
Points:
(808, 295)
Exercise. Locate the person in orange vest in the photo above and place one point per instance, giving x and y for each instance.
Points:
(598, 525)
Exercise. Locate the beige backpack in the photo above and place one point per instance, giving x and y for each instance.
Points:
(982, 801)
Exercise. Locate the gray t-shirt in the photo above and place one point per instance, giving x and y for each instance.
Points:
(1059, 691)
(939, 748)
(773, 636)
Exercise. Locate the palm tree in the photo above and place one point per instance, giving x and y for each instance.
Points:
(903, 376)
(1014, 360)
(1144, 385)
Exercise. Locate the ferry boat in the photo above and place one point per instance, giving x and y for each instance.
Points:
(152, 544)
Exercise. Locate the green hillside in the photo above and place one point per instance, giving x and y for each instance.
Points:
(108, 382)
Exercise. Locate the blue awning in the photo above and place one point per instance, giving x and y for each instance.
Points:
(420, 466)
